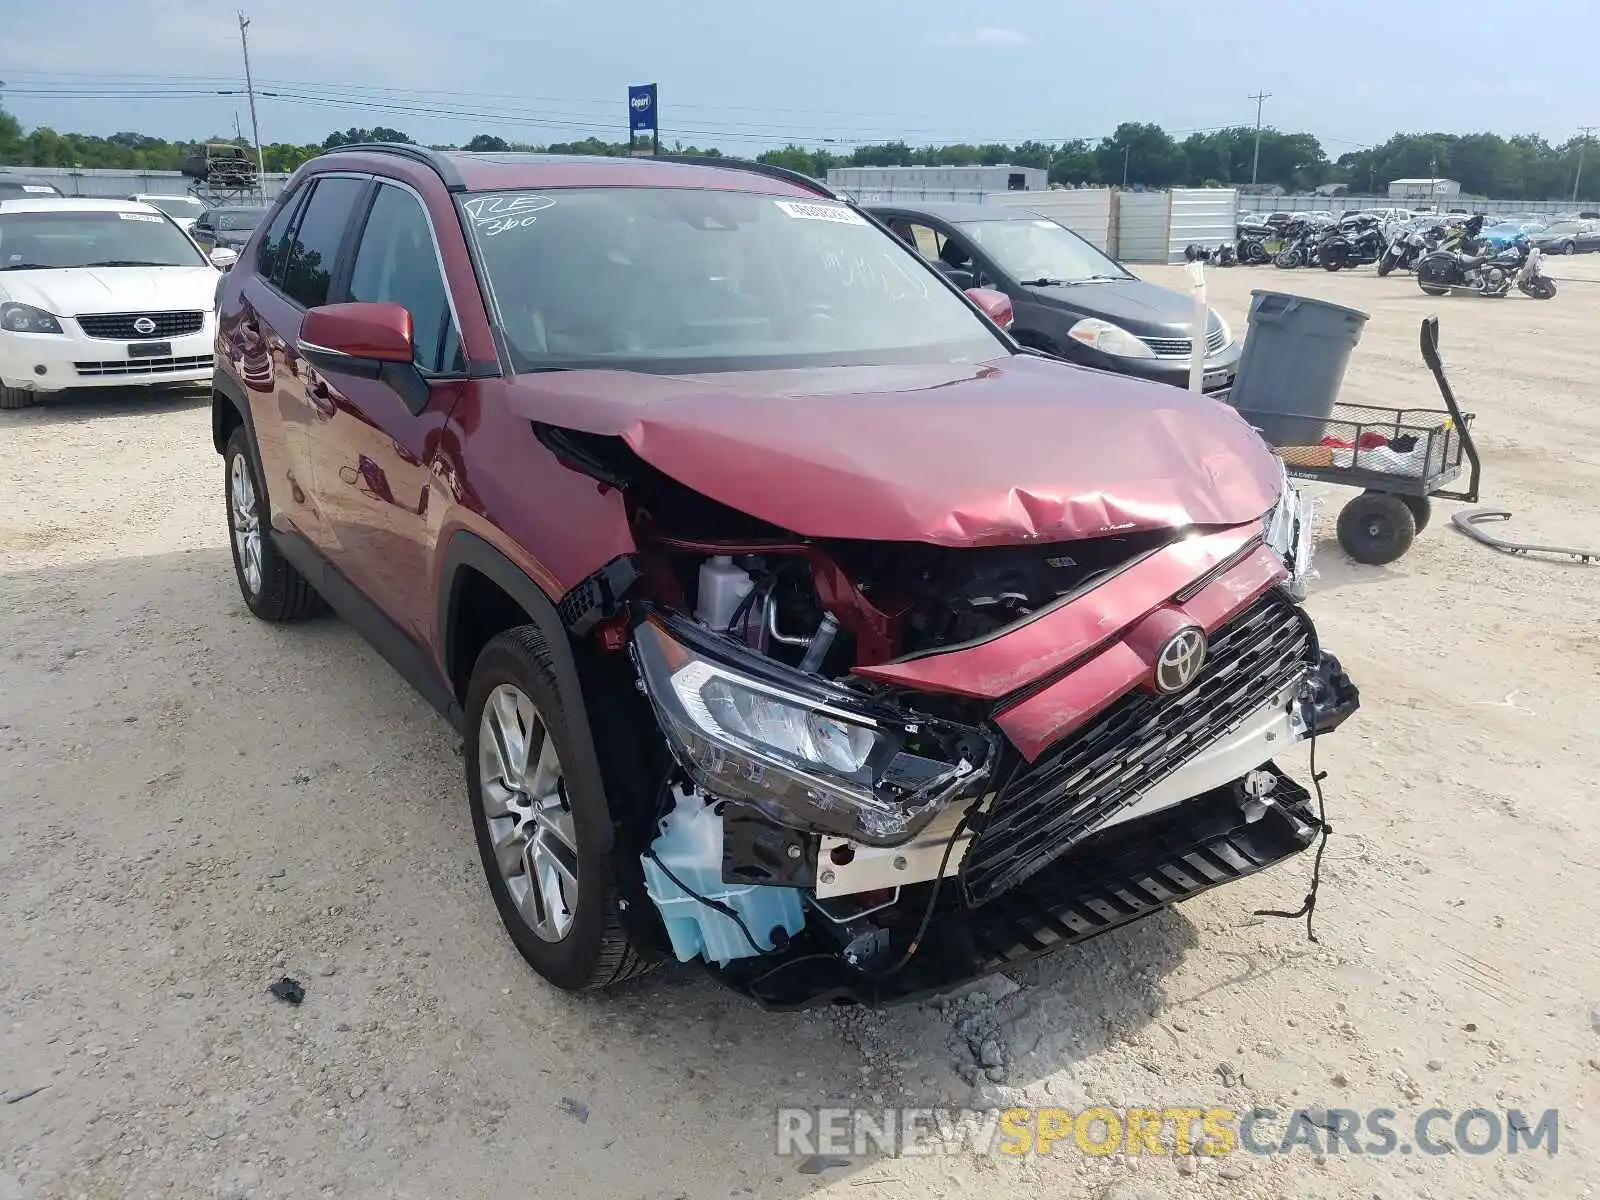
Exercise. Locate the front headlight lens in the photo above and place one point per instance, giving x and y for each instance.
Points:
(25, 318)
(1109, 339)
(741, 711)
(804, 753)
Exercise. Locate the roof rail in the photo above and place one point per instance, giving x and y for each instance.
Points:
(437, 162)
(798, 178)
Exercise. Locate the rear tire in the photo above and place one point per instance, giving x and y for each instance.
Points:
(1376, 528)
(272, 588)
(1421, 510)
(568, 931)
(1434, 289)
(14, 398)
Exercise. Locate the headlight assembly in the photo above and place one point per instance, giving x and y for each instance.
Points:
(25, 318)
(801, 751)
(1109, 339)
(1289, 529)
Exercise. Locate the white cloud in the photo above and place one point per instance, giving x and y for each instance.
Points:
(987, 35)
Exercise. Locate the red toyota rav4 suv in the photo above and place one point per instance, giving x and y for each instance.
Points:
(795, 618)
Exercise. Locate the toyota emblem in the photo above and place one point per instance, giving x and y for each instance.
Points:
(145, 326)
(1182, 655)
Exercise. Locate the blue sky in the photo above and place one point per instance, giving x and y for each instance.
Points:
(748, 74)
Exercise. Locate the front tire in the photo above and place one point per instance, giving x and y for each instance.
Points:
(14, 398)
(1385, 265)
(556, 899)
(1376, 528)
(1569, 247)
(271, 586)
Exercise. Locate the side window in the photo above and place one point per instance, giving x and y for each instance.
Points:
(396, 264)
(314, 251)
(267, 253)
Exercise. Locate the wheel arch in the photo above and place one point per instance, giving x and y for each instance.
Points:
(481, 594)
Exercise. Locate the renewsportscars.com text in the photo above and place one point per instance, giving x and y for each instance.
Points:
(1160, 1131)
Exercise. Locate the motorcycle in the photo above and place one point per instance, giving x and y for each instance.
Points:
(1491, 275)
(1300, 240)
(1354, 242)
(1224, 255)
(1257, 243)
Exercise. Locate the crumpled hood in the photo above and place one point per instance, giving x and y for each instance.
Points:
(69, 292)
(1016, 450)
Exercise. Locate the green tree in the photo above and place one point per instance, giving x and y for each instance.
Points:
(487, 142)
(354, 136)
(1148, 152)
(1074, 162)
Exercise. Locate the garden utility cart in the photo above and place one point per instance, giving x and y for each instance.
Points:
(1399, 457)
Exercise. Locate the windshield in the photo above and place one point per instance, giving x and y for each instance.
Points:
(176, 206)
(42, 240)
(1038, 249)
(240, 218)
(678, 280)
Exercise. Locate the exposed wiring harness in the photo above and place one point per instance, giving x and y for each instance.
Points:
(1308, 908)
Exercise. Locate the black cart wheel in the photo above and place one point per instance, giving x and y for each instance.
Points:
(1421, 510)
(1376, 528)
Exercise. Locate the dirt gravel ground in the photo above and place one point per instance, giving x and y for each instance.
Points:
(195, 804)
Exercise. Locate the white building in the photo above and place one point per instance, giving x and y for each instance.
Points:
(1001, 178)
(1424, 189)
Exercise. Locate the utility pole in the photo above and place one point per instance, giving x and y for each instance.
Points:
(1588, 132)
(1255, 163)
(250, 89)
(1125, 152)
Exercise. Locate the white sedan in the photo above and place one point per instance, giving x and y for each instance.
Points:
(185, 210)
(101, 293)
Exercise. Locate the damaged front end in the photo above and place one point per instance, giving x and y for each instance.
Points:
(969, 757)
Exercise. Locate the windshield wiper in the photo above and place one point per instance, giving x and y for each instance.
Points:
(129, 262)
(26, 267)
(1046, 282)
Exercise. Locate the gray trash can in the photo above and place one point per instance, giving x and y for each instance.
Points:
(1293, 363)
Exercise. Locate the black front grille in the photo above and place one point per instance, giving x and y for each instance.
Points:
(1181, 347)
(1046, 807)
(120, 326)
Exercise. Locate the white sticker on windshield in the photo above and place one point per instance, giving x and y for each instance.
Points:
(494, 215)
(141, 217)
(821, 212)
(39, 188)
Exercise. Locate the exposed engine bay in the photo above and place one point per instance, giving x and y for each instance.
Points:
(841, 821)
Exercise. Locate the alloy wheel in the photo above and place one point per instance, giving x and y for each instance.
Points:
(526, 809)
(246, 522)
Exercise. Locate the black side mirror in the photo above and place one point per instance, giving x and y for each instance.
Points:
(959, 276)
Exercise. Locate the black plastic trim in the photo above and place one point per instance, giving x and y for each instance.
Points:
(371, 622)
(468, 551)
(1119, 876)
